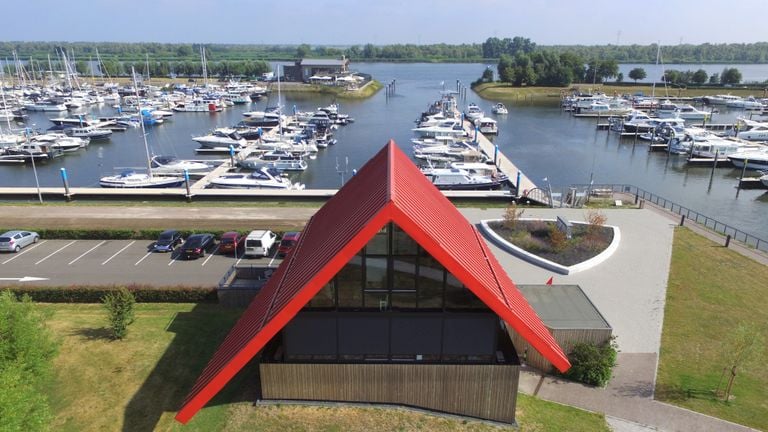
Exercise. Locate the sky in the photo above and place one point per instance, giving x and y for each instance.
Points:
(380, 22)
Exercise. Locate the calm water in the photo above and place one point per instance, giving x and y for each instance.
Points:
(541, 140)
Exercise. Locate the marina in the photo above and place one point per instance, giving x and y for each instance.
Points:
(534, 137)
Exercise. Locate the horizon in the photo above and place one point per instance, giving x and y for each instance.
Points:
(338, 22)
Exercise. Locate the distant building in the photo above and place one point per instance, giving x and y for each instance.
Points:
(305, 69)
(389, 296)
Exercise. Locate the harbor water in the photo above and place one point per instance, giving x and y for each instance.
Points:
(549, 145)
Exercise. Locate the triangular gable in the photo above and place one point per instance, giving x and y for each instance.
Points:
(389, 188)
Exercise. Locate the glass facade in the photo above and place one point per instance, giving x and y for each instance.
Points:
(393, 302)
(392, 272)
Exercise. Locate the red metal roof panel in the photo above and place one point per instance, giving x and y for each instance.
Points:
(387, 188)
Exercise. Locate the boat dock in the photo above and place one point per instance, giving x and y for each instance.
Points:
(524, 187)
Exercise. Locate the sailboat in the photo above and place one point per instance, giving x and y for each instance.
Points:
(133, 179)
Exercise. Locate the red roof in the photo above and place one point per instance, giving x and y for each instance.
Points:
(389, 188)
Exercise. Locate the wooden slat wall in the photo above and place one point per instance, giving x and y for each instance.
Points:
(567, 338)
(484, 391)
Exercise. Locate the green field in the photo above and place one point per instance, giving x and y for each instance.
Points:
(139, 383)
(711, 290)
(508, 93)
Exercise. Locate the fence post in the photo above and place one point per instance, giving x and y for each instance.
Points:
(682, 220)
(637, 197)
(642, 203)
(727, 240)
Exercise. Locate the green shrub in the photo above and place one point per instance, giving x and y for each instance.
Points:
(26, 352)
(591, 363)
(94, 294)
(119, 306)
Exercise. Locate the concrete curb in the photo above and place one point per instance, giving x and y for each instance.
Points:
(544, 263)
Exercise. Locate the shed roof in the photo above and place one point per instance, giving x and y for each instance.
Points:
(563, 307)
(388, 188)
(323, 62)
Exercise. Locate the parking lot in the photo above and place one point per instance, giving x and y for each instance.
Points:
(106, 262)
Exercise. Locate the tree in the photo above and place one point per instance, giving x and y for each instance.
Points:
(512, 216)
(504, 68)
(730, 76)
(27, 349)
(487, 75)
(119, 306)
(620, 77)
(715, 78)
(637, 73)
(745, 344)
(699, 77)
(303, 51)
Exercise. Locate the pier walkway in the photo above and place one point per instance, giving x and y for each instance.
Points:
(524, 186)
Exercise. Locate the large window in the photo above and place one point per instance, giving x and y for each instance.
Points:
(392, 272)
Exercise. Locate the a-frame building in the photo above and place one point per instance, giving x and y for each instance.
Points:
(390, 296)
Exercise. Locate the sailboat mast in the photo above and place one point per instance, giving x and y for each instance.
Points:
(2, 92)
(658, 53)
(141, 122)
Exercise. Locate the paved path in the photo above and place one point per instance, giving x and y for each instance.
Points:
(628, 397)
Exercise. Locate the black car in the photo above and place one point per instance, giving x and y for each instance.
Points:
(197, 245)
(168, 241)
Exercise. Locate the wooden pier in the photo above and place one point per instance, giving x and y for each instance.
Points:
(524, 186)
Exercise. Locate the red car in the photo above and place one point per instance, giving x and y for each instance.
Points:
(287, 243)
(231, 242)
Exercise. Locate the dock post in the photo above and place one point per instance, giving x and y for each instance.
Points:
(517, 184)
(682, 220)
(67, 195)
(727, 240)
(186, 183)
(712, 173)
(741, 179)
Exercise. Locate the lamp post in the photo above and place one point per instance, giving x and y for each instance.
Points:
(34, 168)
(549, 188)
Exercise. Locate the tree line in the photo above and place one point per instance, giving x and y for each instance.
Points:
(729, 76)
(491, 49)
(116, 68)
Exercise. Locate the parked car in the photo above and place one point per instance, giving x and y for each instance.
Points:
(13, 241)
(287, 243)
(231, 242)
(168, 241)
(197, 245)
(259, 243)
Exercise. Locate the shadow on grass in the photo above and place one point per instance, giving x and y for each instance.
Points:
(198, 334)
(677, 393)
(101, 333)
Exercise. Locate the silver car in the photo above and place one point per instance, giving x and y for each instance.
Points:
(13, 241)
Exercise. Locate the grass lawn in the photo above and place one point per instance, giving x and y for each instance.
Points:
(710, 291)
(138, 383)
(506, 92)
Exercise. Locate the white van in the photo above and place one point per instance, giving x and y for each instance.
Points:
(259, 243)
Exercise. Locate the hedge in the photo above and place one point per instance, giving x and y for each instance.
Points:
(94, 294)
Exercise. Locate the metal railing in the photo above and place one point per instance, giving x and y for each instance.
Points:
(708, 222)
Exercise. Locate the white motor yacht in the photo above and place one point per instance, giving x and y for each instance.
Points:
(473, 112)
(499, 109)
(132, 179)
(257, 163)
(749, 103)
(174, 165)
(446, 128)
(90, 132)
(459, 179)
(752, 130)
(487, 125)
(754, 159)
(263, 178)
(221, 137)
